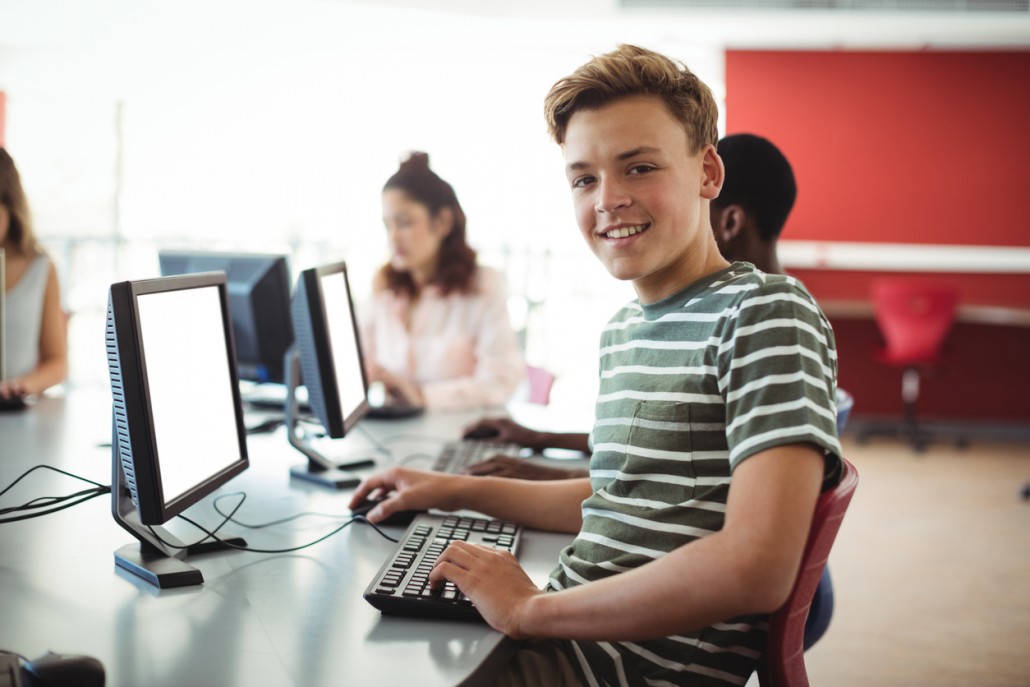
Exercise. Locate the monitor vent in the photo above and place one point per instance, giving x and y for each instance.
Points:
(121, 419)
(305, 342)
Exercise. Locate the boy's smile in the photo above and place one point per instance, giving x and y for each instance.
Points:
(641, 197)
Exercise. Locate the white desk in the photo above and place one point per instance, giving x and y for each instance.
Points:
(287, 619)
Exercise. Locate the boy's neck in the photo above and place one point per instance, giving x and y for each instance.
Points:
(656, 288)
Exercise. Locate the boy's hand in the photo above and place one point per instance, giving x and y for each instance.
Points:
(412, 490)
(492, 579)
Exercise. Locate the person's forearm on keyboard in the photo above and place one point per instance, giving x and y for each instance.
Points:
(551, 506)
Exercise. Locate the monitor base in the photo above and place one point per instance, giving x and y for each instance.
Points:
(331, 478)
(164, 571)
(156, 568)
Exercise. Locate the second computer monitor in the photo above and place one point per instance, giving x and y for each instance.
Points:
(177, 433)
(330, 352)
(259, 299)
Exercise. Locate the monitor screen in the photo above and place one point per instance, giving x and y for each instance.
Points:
(259, 299)
(330, 352)
(178, 431)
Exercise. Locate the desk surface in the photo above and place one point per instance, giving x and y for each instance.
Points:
(259, 619)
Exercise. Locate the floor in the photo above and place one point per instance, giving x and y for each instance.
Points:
(931, 570)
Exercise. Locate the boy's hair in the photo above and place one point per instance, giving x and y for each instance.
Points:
(12, 196)
(457, 260)
(759, 179)
(627, 71)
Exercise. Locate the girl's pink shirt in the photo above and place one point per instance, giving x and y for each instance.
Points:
(461, 349)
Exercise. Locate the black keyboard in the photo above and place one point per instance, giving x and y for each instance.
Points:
(401, 587)
(14, 403)
(456, 455)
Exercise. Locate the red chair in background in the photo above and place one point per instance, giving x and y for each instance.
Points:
(914, 316)
(783, 663)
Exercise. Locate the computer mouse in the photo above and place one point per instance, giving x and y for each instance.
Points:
(482, 433)
(14, 403)
(403, 517)
(63, 670)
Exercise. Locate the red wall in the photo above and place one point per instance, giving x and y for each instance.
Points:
(923, 147)
(914, 147)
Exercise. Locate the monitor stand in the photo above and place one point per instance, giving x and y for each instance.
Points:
(159, 557)
(318, 469)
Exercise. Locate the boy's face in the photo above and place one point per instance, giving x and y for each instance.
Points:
(641, 198)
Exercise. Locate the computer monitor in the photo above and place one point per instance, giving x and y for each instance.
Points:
(259, 298)
(327, 357)
(177, 420)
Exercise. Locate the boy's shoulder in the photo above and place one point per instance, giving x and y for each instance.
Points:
(745, 283)
(729, 286)
(721, 295)
(745, 277)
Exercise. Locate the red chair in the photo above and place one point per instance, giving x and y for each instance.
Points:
(783, 663)
(914, 315)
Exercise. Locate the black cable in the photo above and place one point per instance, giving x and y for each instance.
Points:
(53, 504)
(52, 500)
(227, 518)
(280, 521)
(47, 467)
(210, 535)
(215, 537)
(98, 492)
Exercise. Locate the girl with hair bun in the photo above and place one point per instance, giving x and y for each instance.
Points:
(436, 333)
(36, 343)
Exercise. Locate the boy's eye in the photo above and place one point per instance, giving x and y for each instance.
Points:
(580, 182)
(641, 169)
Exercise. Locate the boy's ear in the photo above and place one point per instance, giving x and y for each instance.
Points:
(731, 223)
(713, 173)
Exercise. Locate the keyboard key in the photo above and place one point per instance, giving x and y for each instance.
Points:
(455, 456)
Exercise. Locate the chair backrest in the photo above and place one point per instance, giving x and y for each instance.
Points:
(914, 316)
(783, 663)
(845, 402)
(540, 383)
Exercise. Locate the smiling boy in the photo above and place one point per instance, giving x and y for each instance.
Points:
(714, 427)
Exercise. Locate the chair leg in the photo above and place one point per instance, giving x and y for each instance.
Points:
(909, 398)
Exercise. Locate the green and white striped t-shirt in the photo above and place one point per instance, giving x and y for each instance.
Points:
(690, 387)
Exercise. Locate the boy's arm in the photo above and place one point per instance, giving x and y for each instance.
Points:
(553, 506)
(747, 567)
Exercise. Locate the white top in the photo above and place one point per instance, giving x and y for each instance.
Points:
(23, 304)
(461, 349)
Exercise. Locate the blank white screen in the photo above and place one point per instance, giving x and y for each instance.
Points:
(342, 341)
(190, 386)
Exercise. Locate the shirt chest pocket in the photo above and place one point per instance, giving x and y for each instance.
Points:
(654, 455)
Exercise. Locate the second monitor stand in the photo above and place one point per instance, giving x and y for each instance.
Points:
(318, 468)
